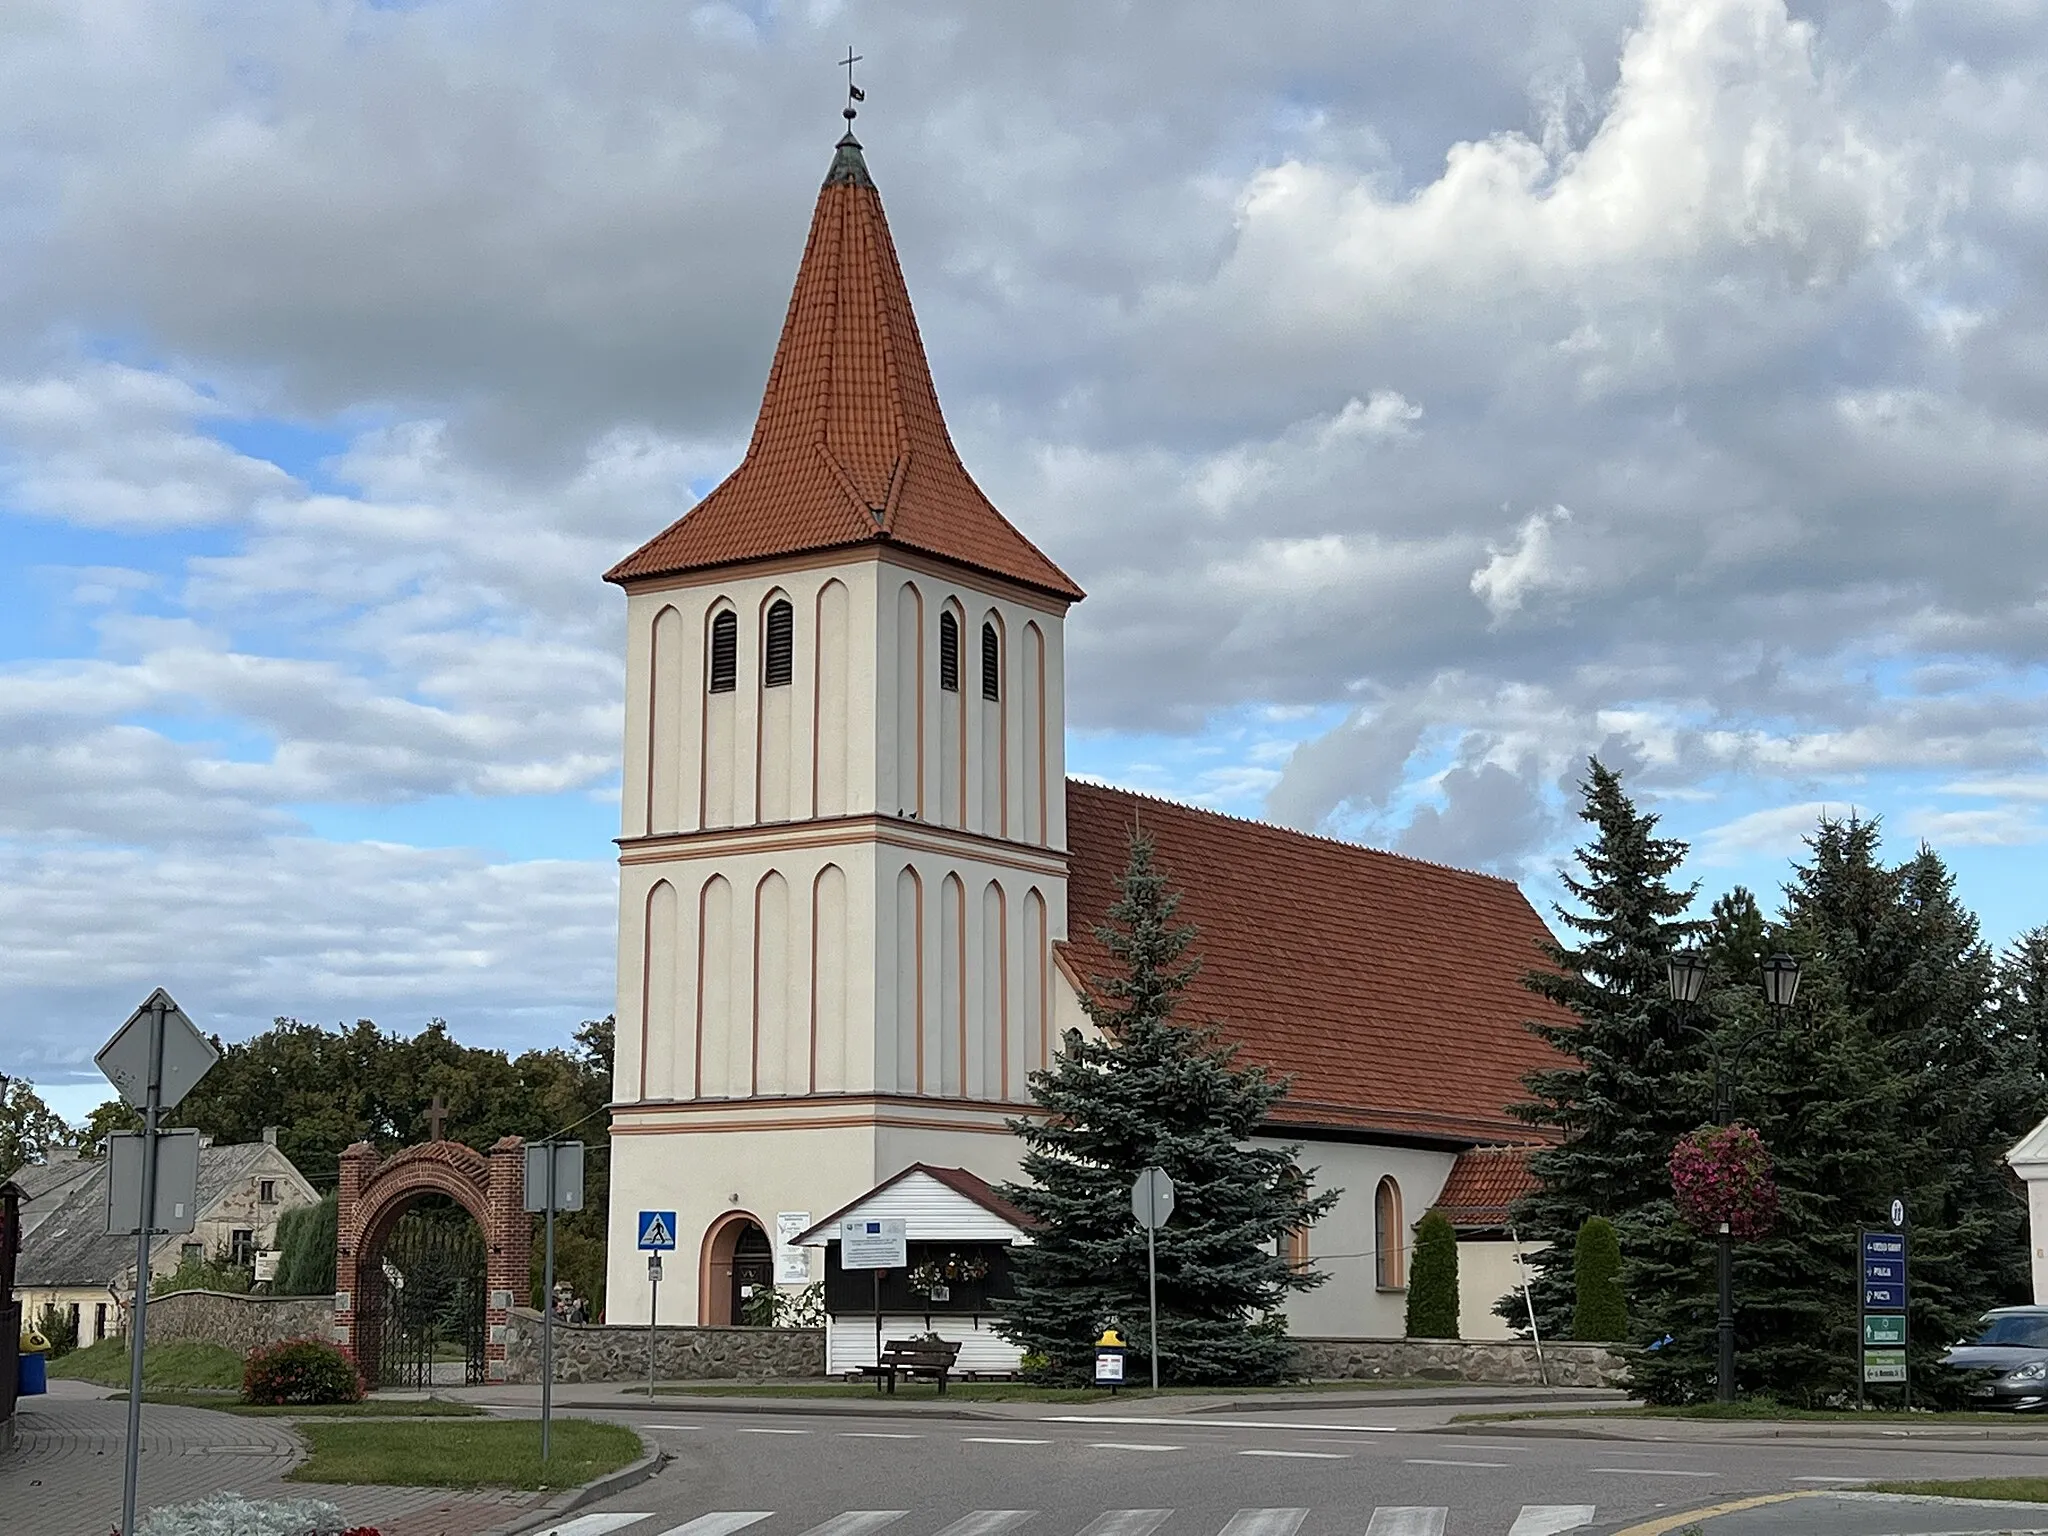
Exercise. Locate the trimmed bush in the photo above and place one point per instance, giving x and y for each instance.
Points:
(229, 1514)
(1433, 1280)
(305, 1240)
(300, 1371)
(1601, 1315)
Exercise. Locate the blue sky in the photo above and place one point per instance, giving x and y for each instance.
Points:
(1425, 404)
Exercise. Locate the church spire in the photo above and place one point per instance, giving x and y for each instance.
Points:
(850, 446)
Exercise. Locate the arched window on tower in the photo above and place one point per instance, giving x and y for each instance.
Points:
(991, 663)
(949, 653)
(1389, 1238)
(725, 652)
(778, 656)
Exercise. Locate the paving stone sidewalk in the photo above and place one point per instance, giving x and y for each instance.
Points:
(64, 1475)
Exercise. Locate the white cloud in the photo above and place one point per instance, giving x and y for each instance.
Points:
(1531, 567)
(1273, 334)
(1779, 832)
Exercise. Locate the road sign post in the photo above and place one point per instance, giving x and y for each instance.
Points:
(1152, 1203)
(153, 1061)
(554, 1182)
(875, 1245)
(1882, 1309)
(657, 1236)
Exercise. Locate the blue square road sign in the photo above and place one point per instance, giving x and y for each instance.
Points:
(657, 1231)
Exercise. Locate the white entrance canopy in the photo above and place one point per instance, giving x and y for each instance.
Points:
(2030, 1161)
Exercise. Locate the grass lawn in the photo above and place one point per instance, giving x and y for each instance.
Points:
(499, 1453)
(999, 1391)
(169, 1367)
(2020, 1490)
(369, 1408)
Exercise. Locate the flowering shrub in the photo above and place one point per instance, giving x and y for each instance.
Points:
(1723, 1173)
(229, 1514)
(300, 1371)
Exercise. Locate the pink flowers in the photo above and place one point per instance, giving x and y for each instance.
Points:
(1723, 1174)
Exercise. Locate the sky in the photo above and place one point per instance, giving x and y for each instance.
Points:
(1427, 398)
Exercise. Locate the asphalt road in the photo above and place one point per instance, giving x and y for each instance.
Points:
(1311, 1473)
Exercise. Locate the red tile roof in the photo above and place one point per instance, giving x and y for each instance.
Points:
(1484, 1182)
(850, 447)
(1388, 988)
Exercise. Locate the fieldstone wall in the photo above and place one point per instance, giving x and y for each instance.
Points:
(239, 1323)
(1508, 1362)
(597, 1352)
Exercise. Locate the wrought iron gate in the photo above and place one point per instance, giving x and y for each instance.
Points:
(423, 1300)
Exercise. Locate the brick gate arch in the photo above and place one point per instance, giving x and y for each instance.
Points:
(375, 1191)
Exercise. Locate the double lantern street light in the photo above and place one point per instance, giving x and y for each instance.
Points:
(1686, 974)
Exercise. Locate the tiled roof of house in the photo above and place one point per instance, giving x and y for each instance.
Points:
(850, 447)
(42, 1185)
(71, 1245)
(1389, 989)
(1483, 1183)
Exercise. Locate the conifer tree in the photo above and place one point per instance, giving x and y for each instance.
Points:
(1894, 1076)
(1618, 1101)
(1433, 1279)
(1601, 1315)
(1153, 1091)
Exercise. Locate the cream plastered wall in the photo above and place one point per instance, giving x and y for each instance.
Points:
(1351, 1303)
(696, 1175)
(814, 1157)
(1487, 1271)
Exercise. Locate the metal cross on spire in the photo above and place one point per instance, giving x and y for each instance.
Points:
(853, 92)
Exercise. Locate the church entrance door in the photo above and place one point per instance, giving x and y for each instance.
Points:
(753, 1278)
(737, 1280)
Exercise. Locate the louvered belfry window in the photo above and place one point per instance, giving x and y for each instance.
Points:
(991, 663)
(725, 652)
(949, 653)
(778, 657)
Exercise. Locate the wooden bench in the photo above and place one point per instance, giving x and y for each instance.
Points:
(913, 1357)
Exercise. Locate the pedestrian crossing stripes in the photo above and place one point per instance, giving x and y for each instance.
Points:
(1387, 1520)
(1411, 1520)
(1550, 1519)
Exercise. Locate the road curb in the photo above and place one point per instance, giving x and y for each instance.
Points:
(1758, 1432)
(1381, 1399)
(803, 1406)
(597, 1488)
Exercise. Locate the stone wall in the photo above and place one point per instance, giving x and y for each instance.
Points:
(239, 1323)
(596, 1352)
(1490, 1362)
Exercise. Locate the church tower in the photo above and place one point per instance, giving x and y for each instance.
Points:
(842, 863)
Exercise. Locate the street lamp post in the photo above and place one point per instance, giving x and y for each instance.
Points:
(1686, 977)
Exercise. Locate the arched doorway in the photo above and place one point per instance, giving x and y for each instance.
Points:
(738, 1263)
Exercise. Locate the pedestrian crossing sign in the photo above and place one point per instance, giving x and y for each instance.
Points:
(657, 1230)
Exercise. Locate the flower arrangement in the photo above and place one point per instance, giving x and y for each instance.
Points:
(1722, 1173)
(934, 1275)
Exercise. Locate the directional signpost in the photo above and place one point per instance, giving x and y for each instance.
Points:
(1152, 1203)
(153, 1061)
(1881, 1307)
(657, 1236)
(554, 1182)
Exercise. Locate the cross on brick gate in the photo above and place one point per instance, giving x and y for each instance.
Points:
(437, 1113)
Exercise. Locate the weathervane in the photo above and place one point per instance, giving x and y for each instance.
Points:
(853, 92)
